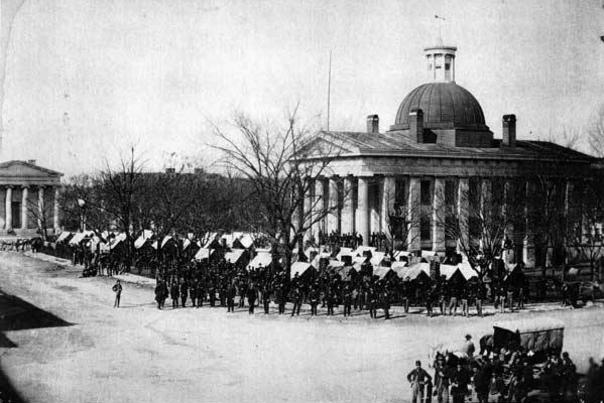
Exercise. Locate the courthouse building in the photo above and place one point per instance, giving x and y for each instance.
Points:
(437, 149)
(30, 198)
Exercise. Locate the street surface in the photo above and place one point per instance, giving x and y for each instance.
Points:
(94, 353)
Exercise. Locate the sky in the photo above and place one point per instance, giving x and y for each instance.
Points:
(87, 79)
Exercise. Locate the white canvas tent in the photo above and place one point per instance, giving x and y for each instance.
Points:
(77, 238)
(234, 255)
(400, 268)
(64, 235)
(246, 241)
(263, 259)
(203, 253)
(144, 237)
(344, 252)
(381, 271)
(119, 238)
(377, 258)
(417, 269)
(300, 268)
(362, 249)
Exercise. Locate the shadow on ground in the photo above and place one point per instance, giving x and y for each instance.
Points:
(17, 314)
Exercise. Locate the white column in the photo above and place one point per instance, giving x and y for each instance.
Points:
(307, 212)
(528, 252)
(363, 210)
(8, 204)
(333, 224)
(509, 256)
(375, 190)
(486, 203)
(41, 211)
(413, 215)
(347, 208)
(24, 195)
(463, 212)
(438, 216)
(388, 194)
(55, 220)
(318, 210)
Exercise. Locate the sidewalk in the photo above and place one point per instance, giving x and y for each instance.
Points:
(126, 277)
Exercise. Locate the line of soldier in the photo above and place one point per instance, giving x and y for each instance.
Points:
(223, 284)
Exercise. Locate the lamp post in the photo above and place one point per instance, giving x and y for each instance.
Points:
(82, 205)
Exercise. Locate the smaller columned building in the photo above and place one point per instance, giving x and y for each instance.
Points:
(29, 198)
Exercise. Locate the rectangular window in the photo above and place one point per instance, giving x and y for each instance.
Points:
(450, 193)
(426, 193)
(425, 228)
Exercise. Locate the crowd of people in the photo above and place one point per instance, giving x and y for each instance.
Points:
(508, 375)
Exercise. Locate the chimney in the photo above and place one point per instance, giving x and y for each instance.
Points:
(509, 131)
(33, 162)
(416, 124)
(373, 124)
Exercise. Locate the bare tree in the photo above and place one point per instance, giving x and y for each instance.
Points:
(595, 132)
(584, 231)
(282, 170)
(403, 222)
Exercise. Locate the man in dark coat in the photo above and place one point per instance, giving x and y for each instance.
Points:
(252, 295)
(460, 379)
(230, 297)
(419, 378)
(174, 294)
(184, 290)
(314, 297)
(296, 298)
(117, 289)
(347, 300)
(161, 292)
(266, 297)
(385, 299)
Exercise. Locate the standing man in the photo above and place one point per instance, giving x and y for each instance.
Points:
(297, 299)
(386, 303)
(266, 297)
(460, 380)
(252, 294)
(230, 297)
(314, 296)
(184, 289)
(174, 294)
(117, 289)
(347, 300)
(418, 378)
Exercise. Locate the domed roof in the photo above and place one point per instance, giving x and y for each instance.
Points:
(446, 105)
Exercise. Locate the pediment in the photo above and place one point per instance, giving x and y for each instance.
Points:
(22, 169)
(325, 144)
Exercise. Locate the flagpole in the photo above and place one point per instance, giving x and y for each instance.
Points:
(329, 91)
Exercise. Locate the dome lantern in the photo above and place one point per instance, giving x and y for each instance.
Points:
(440, 60)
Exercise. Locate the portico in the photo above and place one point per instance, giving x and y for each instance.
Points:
(31, 198)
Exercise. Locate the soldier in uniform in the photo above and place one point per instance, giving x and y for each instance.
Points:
(330, 299)
(281, 298)
(405, 291)
(418, 378)
(347, 300)
(252, 295)
(386, 303)
(200, 293)
(174, 294)
(230, 297)
(117, 289)
(193, 293)
(184, 289)
(266, 297)
(212, 293)
(296, 298)
(372, 301)
(314, 297)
